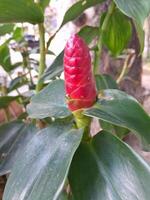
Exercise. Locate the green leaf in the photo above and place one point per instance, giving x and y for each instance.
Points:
(55, 68)
(6, 100)
(88, 33)
(42, 167)
(44, 3)
(118, 108)
(136, 9)
(6, 28)
(50, 102)
(78, 8)
(20, 11)
(5, 61)
(17, 82)
(108, 169)
(141, 35)
(13, 137)
(18, 34)
(118, 33)
(105, 81)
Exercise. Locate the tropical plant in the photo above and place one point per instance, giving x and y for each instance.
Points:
(49, 150)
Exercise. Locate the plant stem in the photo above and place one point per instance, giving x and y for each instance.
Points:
(102, 30)
(42, 56)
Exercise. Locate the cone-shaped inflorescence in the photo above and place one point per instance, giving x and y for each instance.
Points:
(79, 80)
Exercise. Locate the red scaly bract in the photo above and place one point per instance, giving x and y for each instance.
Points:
(79, 80)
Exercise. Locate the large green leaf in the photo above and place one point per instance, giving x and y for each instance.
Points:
(105, 81)
(50, 102)
(13, 137)
(118, 108)
(6, 28)
(118, 33)
(42, 166)
(78, 8)
(136, 9)
(20, 11)
(108, 169)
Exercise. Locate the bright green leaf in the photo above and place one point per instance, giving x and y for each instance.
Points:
(5, 61)
(108, 169)
(20, 11)
(50, 102)
(118, 33)
(42, 166)
(118, 108)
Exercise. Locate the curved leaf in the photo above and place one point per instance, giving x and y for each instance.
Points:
(50, 102)
(136, 9)
(42, 166)
(118, 33)
(108, 169)
(20, 11)
(118, 108)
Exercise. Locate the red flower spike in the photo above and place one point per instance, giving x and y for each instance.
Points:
(79, 81)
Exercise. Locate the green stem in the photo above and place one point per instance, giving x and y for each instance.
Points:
(83, 122)
(42, 57)
(102, 30)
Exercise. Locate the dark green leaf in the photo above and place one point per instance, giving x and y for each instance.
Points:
(6, 100)
(20, 11)
(78, 8)
(136, 9)
(6, 28)
(118, 33)
(88, 33)
(17, 82)
(13, 137)
(55, 68)
(42, 167)
(50, 102)
(5, 61)
(118, 108)
(108, 169)
(105, 81)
